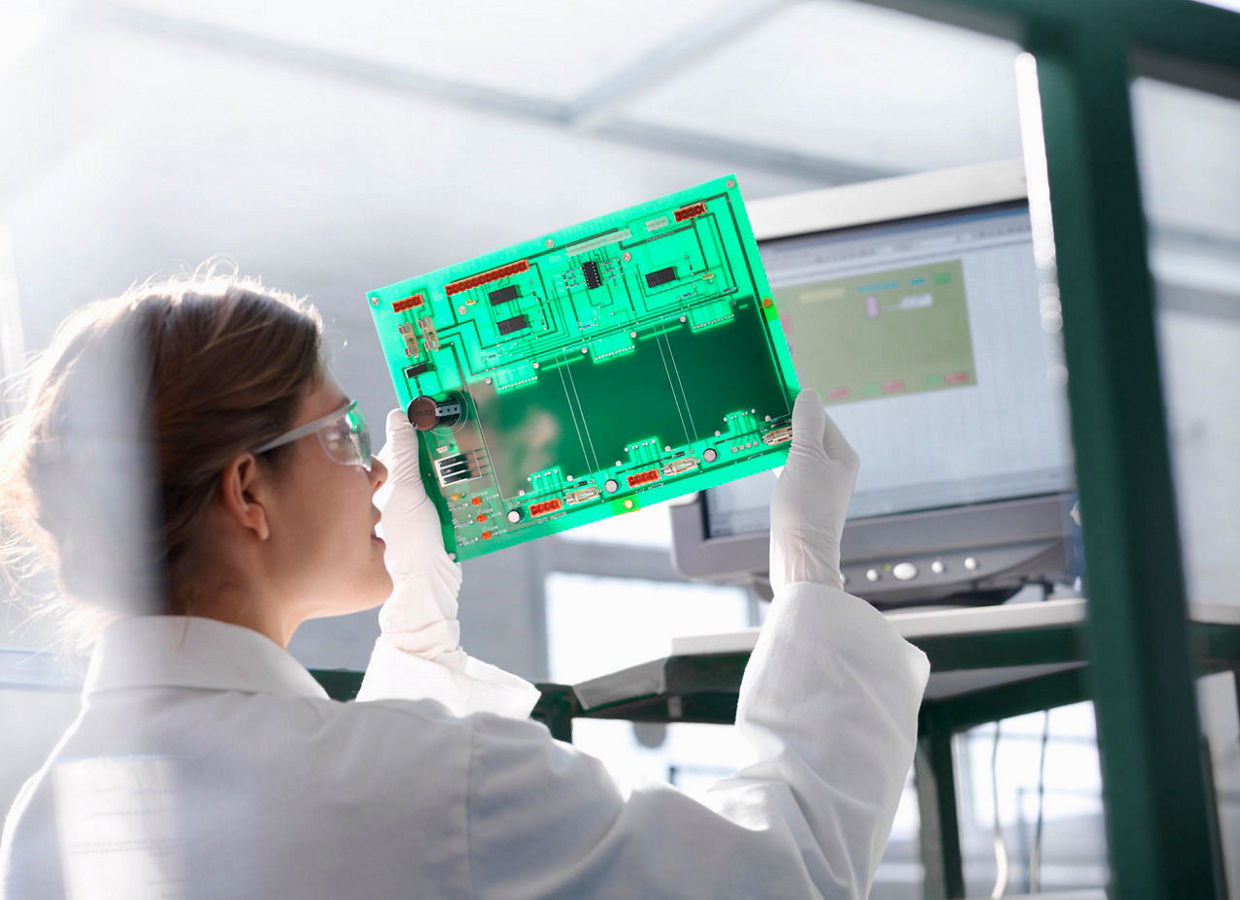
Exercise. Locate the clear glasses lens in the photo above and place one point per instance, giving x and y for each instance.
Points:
(347, 439)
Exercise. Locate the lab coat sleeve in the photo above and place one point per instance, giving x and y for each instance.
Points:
(828, 711)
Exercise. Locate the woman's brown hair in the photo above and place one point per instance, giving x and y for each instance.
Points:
(131, 416)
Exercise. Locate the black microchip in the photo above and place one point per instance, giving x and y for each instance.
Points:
(508, 326)
(663, 276)
(590, 270)
(414, 371)
(503, 295)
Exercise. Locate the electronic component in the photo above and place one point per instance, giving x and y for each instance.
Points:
(516, 323)
(410, 338)
(408, 303)
(426, 413)
(582, 495)
(680, 466)
(429, 335)
(592, 276)
(503, 295)
(545, 507)
(640, 358)
(643, 477)
(663, 276)
(468, 284)
(457, 468)
(778, 435)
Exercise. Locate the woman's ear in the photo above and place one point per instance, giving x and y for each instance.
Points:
(244, 491)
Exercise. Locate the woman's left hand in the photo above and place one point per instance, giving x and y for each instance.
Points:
(420, 616)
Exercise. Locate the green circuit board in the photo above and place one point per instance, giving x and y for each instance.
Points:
(592, 371)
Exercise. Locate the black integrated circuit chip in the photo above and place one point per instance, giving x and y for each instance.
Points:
(414, 371)
(593, 278)
(516, 323)
(503, 295)
(663, 276)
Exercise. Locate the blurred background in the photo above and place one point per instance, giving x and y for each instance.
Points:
(334, 148)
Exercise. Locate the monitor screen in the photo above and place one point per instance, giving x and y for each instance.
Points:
(925, 339)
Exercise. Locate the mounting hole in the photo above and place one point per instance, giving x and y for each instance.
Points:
(709, 454)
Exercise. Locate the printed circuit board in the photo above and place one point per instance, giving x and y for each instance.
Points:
(591, 371)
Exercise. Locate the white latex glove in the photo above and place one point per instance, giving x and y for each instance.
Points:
(420, 616)
(419, 654)
(811, 499)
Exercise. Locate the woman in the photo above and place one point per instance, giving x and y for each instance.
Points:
(207, 762)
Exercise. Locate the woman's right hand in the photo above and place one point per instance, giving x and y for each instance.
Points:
(811, 499)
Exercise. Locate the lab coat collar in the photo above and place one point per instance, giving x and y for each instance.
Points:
(193, 652)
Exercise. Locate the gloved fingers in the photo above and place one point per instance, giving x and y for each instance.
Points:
(807, 420)
(407, 511)
(813, 430)
(400, 453)
(837, 446)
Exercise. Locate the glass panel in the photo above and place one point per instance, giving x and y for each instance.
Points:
(1187, 145)
(1039, 824)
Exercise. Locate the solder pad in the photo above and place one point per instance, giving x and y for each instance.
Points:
(603, 367)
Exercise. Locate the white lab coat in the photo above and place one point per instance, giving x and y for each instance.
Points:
(206, 762)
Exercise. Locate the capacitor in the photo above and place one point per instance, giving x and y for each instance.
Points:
(426, 413)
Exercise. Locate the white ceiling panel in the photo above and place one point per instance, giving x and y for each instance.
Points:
(555, 49)
(197, 153)
(848, 81)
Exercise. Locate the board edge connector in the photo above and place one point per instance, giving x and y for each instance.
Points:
(644, 477)
(476, 281)
(545, 507)
(778, 435)
(408, 303)
(679, 466)
(691, 211)
(582, 495)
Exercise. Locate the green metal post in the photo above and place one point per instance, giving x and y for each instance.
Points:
(1158, 811)
(939, 835)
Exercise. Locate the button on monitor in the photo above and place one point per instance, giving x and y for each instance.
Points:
(905, 571)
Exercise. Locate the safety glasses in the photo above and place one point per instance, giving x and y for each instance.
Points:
(343, 435)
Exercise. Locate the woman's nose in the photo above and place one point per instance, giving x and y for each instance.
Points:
(378, 473)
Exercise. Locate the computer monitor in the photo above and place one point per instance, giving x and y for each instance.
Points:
(912, 305)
